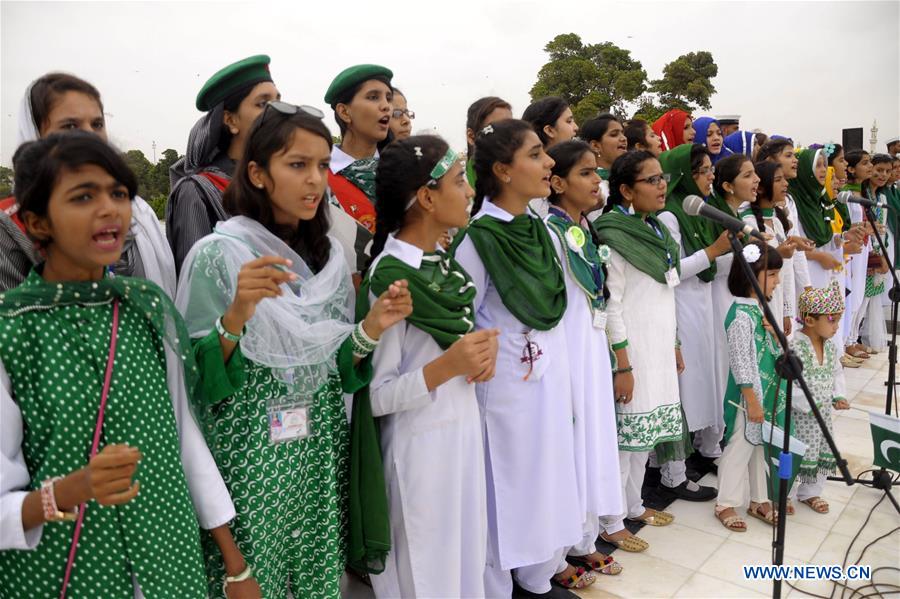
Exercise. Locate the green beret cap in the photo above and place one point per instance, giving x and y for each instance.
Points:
(230, 79)
(352, 76)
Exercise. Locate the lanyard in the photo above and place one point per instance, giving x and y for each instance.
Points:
(596, 272)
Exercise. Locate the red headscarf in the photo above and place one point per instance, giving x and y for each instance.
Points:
(670, 128)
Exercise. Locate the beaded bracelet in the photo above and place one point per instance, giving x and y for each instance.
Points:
(362, 344)
(52, 512)
(623, 370)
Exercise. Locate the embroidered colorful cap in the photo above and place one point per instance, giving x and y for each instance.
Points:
(352, 76)
(825, 300)
(252, 70)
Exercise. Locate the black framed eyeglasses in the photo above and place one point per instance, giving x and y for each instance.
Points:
(399, 112)
(655, 179)
(288, 109)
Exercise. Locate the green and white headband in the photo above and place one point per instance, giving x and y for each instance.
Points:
(440, 169)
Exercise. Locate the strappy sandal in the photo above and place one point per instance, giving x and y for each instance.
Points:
(733, 523)
(770, 517)
(581, 579)
(632, 544)
(857, 351)
(657, 519)
(790, 507)
(848, 361)
(817, 504)
(608, 565)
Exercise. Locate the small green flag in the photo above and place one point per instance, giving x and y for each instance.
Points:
(773, 443)
(886, 440)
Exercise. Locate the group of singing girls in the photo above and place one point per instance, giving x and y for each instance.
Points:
(344, 355)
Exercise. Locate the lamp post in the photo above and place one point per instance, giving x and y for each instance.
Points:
(874, 139)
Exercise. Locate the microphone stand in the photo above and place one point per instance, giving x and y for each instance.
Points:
(790, 368)
(882, 478)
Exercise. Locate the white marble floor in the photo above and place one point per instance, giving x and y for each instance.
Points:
(697, 557)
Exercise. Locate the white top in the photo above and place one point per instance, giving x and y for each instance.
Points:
(533, 505)
(599, 477)
(696, 323)
(433, 464)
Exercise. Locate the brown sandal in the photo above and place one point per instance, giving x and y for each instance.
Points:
(770, 517)
(580, 579)
(733, 523)
(818, 505)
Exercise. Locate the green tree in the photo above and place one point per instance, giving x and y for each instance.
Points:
(6, 181)
(648, 110)
(158, 180)
(687, 82)
(591, 78)
(141, 167)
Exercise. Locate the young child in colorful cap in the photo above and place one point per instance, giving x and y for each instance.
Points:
(820, 314)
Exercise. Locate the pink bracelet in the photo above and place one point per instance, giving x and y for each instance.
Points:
(52, 512)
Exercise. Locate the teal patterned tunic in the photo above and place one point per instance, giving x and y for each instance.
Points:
(752, 353)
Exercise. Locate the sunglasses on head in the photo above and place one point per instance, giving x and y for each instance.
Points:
(291, 109)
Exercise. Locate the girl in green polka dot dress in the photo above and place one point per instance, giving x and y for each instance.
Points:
(104, 475)
(268, 300)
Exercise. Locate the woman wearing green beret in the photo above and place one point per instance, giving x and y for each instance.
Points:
(361, 97)
(232, 99)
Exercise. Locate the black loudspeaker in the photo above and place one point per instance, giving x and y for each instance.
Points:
(853, 139)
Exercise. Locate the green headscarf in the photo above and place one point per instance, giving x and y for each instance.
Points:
(814, 207)
(636, 240)
(696, 233)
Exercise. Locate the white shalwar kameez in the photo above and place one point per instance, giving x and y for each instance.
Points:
(433, 465)
(590, 370)
(532, 495)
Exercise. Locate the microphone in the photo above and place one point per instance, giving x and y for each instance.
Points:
(847, 197)
(695, 206)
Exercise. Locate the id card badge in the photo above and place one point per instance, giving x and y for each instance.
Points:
(289, 420)
(599, 319)
(672, 278)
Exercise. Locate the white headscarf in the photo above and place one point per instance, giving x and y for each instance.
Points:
(154, 251)
(27, 130)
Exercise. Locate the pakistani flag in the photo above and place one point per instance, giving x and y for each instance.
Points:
(773, 443)
(886, 440)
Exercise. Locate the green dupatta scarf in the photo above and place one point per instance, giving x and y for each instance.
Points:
(160, 313)
(636, 239)
(443, 294)
(520, 258)
(586, 261)
(814, 208)
(696, 233)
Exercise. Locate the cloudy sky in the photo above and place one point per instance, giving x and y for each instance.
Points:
(805, 69)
